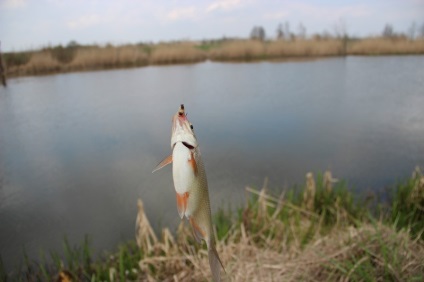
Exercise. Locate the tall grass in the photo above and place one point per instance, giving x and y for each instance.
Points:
(74, 58)
(108, 57)
(41, 62)
(282, 237)
(238, 51)
(176, 53)
(305, 48)
(385, 46)
(407, 210)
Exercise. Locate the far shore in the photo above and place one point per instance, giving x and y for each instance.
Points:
(74, 57)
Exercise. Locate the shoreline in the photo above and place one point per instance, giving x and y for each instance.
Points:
(55, 60)
(269, 60)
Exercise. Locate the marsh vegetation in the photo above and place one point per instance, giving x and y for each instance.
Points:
(76, 57)
(319, 231)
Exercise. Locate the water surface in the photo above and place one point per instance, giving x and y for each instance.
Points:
(77, 150)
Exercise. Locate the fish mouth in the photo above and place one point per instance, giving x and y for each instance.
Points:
(181, 110)
(182, 130)
(180, 117)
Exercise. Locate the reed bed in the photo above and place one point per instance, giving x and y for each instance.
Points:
(176, 54)
(75, 58)
(238, 51)
(317, 232)
(305, 48)
(108, 57)
(81, 59)
(385, 46)
(41, 62)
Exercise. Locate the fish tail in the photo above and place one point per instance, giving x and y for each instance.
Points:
(215, 263)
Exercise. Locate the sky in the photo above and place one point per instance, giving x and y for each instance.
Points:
(33, 24)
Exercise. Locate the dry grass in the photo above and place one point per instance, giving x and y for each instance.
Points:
(60, 59)
(238, 51)
(285, 238)
(108, 57)
(90, 58)
(307, 48)
(40, 62)
(185, 52)
(384, 46)
(263, 247)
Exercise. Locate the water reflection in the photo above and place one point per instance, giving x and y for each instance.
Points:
(76, 150)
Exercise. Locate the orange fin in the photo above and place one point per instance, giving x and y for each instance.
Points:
(163, 163)
(193, 163)
(199, 234)
(182, 203)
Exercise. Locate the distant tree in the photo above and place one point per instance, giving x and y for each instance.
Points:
(422, 30)
(287, 32)
(72, 44)
(257, 33)
(388, 31)
(301, 31)
(412, 30)
(340, 29)
(280, 31)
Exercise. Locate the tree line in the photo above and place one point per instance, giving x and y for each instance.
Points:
(284, 32)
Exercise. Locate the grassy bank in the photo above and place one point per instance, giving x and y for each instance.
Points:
(82, 58)
(317, 232)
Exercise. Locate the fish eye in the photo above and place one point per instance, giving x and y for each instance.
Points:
(191, 126)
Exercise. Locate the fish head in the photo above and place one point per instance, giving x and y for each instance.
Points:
(182, 130)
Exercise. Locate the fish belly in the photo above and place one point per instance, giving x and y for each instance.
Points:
(182, 171)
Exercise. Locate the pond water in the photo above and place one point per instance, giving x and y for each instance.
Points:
(78, 149)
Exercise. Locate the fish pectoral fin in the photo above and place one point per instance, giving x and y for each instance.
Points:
(199, 234)
(163, 163)
(193, 163)
(182, 200)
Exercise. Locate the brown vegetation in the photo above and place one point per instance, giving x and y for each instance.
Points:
(315, 233)
(185, 52)
(74, 58)
(383, 46)
(241, 50)
(41, 62)
(108, 57)
(305, 48)
(265, 248)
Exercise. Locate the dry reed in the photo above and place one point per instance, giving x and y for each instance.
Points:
(238, 50)
(270, 239)
(89, 58)
(263, 248)
(40, 62)
(309, 193)
(108, 57)
(384, 46)
(176, 53)
(305, 48)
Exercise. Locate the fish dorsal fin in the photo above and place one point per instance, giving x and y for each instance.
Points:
(163, 163)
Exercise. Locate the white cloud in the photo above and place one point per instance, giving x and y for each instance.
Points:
(84, 21)
(181, 14)
(14, 4)
(276, 15)
(328, 13)
(225, 5)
